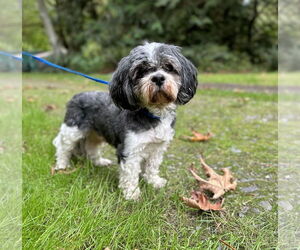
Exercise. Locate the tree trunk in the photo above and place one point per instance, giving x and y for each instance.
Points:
(252, 22)
(57, 47)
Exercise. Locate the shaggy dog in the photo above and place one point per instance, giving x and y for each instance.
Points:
(137, 116)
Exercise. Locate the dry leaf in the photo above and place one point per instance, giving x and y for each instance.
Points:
(53, 171)
(1, 147)
(200, 201)
(28, 87)
(217, 184)
(10, 99)
(199, 137)
(49, 107)
(64, 91)
(30, 99)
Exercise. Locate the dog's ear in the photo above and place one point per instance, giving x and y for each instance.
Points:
(120, 87)
(189, 80)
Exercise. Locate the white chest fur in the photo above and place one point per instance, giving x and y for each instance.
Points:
(153, 139)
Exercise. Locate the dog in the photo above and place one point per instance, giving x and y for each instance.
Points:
(137, 116)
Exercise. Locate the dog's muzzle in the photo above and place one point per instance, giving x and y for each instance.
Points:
(158, 79)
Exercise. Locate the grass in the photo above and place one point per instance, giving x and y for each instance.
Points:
(10, 161)
(254, 79)
(85, 210)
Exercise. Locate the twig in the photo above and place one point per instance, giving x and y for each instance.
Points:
(226, 244)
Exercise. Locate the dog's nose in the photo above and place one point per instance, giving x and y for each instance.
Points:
(158, 79)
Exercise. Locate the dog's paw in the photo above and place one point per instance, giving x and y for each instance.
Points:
(102, 162)
(158, 182)
(58, 167)
(132, 194)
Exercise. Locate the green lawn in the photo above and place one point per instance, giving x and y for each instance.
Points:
(85, 210)
(265, 79)
(253, 79)
(10, 161)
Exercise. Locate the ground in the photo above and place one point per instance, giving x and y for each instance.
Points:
(10, 161)
(85, 209)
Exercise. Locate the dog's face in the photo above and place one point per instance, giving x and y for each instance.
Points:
(153, 75)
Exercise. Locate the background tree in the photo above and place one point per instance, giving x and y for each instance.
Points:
(57, 47)
(217, 35)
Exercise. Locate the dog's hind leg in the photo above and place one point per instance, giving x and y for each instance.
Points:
(93, 149)
(65, 142)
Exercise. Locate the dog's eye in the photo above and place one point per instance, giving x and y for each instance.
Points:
(140, 72)
(169, 67)
(143, 70)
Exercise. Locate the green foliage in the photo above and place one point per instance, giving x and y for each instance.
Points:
(34, 37)
(216, 35)
(11, 26)
(216, 58)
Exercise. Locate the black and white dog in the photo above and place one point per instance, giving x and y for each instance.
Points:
(137, 116)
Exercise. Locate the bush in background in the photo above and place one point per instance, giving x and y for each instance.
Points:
(217, 35)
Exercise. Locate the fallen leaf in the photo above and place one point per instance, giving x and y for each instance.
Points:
(237, 90)
(30, 99)
(28, 87)
(200, 201)
(217, 184)
(10, 99)
(1, 147)
(49, 107)
(199, 137)
(9, 87)
(53, 171)
(64, 91)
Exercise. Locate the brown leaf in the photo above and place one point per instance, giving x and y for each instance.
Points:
(199, 137)
(53, 171)
(10, 99)
(28, 87)
(217, 184)
(49, 107)
(200, 201)
(31, 99)
(2, 148)
(237, 90)
(65, 91)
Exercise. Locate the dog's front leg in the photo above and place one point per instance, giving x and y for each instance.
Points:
(129, 177)
(151, 167)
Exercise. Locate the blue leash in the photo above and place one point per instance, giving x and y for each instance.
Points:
(10, 55)
(145, 111)
(53, 65)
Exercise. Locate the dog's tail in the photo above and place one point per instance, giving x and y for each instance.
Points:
(75, 114)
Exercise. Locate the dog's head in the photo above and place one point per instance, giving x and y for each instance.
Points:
(153, 75)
